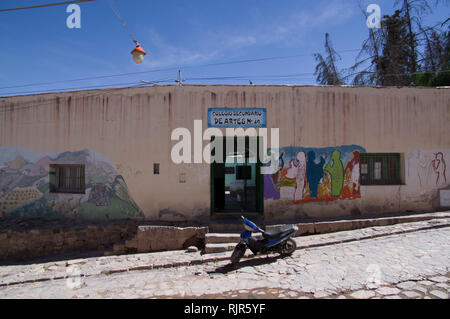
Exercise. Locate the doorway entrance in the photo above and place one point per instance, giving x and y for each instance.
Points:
(236, 181)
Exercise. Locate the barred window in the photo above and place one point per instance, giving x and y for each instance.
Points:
(67, 178)
(380, 169)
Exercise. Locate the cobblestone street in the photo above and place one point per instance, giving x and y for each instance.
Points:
(409, 265)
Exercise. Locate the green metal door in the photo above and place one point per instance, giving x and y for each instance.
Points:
(236, 181)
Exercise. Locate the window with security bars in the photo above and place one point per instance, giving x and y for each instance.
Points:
(67, 178)
(380, 169)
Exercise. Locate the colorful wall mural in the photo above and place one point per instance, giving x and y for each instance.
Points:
(315, 174)
(24, 187)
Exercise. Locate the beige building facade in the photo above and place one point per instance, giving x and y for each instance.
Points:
(108, 154)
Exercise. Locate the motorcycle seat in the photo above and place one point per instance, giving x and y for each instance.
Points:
(279, 231)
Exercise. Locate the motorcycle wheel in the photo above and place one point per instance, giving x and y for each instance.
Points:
(238, 253)
(289, 247)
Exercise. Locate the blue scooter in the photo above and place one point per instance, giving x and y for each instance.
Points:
(276, 240)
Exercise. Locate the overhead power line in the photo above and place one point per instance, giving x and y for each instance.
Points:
(45, 5)
(173, 68)
(79, 95)
(87, 78)
(83, 94)
(84, 87)
(275, 77)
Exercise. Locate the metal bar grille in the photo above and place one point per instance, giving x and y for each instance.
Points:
(69, 178)
(380, 169)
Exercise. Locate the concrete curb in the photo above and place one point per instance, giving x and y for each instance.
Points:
(344, 225)
(326, 227)
(175, 259)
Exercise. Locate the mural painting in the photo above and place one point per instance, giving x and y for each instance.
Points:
(25, 185)
(427, 168)
(315, 174)
(439, 167)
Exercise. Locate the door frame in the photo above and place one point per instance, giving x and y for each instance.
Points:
(259, 180)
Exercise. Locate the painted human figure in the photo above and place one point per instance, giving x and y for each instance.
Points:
(314, 173)
(439, 168)
(336, 171)
(289, 183)
(276, 175)
(301, 175)
(294, 180)
(353, 166)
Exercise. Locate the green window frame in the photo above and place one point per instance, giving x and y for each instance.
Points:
(380, 169)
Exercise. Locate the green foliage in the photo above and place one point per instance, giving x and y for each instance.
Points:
(403, 52)
(440, 78)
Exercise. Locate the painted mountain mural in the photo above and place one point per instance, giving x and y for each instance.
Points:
(25, 187)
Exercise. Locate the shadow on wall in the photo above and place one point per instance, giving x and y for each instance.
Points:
(24, 187)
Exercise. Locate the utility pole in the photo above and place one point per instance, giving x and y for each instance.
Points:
(180, 80)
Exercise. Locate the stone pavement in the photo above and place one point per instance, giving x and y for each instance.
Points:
(409, 260)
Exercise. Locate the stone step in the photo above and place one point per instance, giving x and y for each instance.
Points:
(226, 238)
(119, 248)
(131, 244)
(219, 238)
(232, 223)
(220, 242)
(109, 253)
(219, 248)
(226, 228)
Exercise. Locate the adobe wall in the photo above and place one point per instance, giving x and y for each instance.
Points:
(119, 134)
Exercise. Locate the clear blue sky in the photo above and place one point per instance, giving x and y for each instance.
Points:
(37, 47)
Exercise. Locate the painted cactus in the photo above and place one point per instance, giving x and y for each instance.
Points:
(336, 171)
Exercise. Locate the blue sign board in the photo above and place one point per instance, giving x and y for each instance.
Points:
(243, 117)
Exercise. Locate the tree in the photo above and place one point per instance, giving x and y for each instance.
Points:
(395, 53)
(388, 52)
(437, 62)
(396, 67)
(412, 11)
(370, 54)
(326, 70)
(434, 53)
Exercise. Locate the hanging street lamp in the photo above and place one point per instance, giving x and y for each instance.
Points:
(138, 54)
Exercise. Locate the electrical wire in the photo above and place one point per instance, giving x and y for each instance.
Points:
(174, 69)
(83, 87)
(216, 78)
(45, 5)
(88, 78)
(300, 76)
(177, 68)
(79, 95)
(116, 11)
